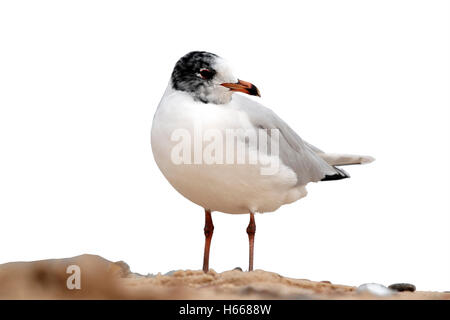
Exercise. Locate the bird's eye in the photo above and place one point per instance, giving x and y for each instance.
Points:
(206, 74)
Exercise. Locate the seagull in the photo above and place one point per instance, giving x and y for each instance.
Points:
(203, 104)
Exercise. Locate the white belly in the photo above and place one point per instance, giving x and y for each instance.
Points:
(229, 188)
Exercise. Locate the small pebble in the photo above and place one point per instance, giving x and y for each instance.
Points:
(238, 269)
(375, 289)
(124, 266)
(403, 287)
(170, 272)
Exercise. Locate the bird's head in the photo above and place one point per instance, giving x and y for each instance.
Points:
(208, 78)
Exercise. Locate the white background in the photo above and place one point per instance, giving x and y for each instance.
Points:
(81, 80)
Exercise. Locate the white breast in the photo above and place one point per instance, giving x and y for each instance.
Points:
(229, 188)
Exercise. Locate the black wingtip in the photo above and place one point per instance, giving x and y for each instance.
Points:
(339, 175)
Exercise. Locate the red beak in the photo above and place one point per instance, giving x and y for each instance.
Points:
(243, 86)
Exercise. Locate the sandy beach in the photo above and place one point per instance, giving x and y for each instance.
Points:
(103, 279)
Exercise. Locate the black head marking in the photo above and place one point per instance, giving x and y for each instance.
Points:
(193, 71)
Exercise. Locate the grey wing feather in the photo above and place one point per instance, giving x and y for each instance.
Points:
(313, 148)
(295, 153)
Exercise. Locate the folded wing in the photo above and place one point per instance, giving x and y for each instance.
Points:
(308, 162)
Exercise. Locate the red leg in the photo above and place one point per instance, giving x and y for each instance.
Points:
(209, 228)
(251, 229)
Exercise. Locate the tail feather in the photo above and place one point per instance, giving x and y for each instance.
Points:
(345, 159)
(342, 160)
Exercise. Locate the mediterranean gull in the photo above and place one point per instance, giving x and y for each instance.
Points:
(191, 144)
